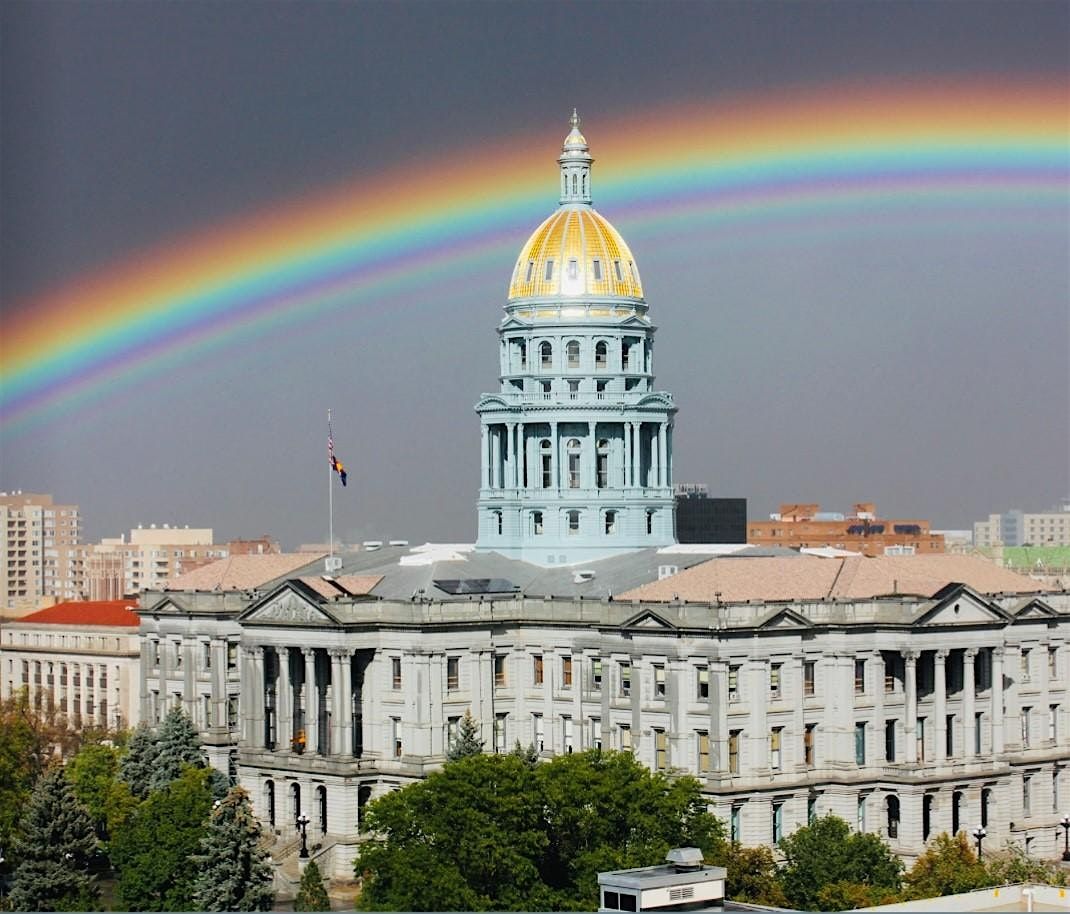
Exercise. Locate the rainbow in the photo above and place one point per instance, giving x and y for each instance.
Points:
(804, 154)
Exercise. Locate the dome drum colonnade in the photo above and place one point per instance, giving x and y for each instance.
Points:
(576, 446)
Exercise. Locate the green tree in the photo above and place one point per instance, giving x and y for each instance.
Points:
(947, 866)
(177, 746)
(93, 772)
(526, 754)
(233, 869)
(752, 875)
(139, 759)
(53, 850)
(311, 895)
(467, 741)
(1011, 864)
(493, 832)
(827, 853)
(153, 849)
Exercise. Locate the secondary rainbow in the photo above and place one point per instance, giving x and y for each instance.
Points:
(803, 154)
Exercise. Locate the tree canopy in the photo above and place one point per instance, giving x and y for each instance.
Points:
(828, 867)
(496, 833)
(233, 870)
(93, 772)
(177, 746)
(947, 866)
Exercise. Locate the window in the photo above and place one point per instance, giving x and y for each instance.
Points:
(659, 681)
(395, 736)
(949, 736)
(860, 743)
(775, 736)
(778, 822)
(860, 814)
(537, 669)
(395, 672)
(573, 267)
(624, 732)
(625, 678)
(611, 518)
(602, 468)
(1025, 664)
(616, 269)
(499, 669)
(1053, 662)
(808, 745)
(572, 352)
(566, 729)
(595, 724)
(1025, 726)
(860, 677)
(596, 673)
(601, 350)
(496, 522)
(573, 522)
(733, 822)
(536, 522)
(1055, 791)
(702, 738)
(889, 740)
(566, 672)
(573, 451)
(499, 732)
(178, 655)
(540, 733)
(774, 680)
(531, 271)
(892, 805)
(1053, 717)
(649, 522)
(548, 274)
(546, 355)
(661, 749)
(977, 719)
(523, 354)
(232, 712)
(206, 648)
(1027, 790)
(733, 751)
(733, 682)
(703, 691)
(920, 735)
(546, 459)
(596, 267)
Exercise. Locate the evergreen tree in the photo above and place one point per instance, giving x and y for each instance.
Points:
(139, 760)
(177, 746)
(53, 850)
(526, 754)
(467, 741)
(233, 870)
(311, 895)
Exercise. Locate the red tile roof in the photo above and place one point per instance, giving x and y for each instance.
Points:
(88, 612)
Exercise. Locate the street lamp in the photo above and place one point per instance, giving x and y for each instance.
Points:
(1064, 823)
(979, 836)
(302, 823)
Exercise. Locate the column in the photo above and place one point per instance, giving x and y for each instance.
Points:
(792, 684)
(256, 705)
(652, 476)
(554, 458)
(668, 455)
(311, 702)
(757, 696)
(219, 683)
(940, 705)
(910, 736)
(637, 454)
(511, 459)
(70, 696)
(878, 755)
(521, 455)
(496, 457)
(969, 724)
(663, 474)
(342, 702)
(626, 467)
(591, 482)
(284, 700)
(1045, 695)
(997, 700)
(101, 695)
(143, 676)
(163, 647)
(189, 689)
(484, 462)
(719, 715)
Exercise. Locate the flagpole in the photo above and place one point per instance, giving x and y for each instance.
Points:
(330, 498)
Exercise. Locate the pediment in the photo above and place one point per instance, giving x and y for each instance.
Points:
(655, 400)
(168, 606)
(287, 606)
(649, 621)
(491, 401)
(960, 606)
(514, 323)
(786, 619)
(633, 321)
(1033, 610)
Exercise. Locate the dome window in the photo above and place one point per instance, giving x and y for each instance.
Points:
(573, 353)
(631, 269)
(573, 522)
(531, 271)
(596, 268)
(549, 274)
(573, 269)
(546, 355)
(616, 269)
(601, 353)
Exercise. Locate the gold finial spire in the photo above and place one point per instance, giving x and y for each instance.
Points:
(574, 121)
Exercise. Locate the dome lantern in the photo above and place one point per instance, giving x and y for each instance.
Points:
(575, 161)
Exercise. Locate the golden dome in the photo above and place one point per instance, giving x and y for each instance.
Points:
(575, 252)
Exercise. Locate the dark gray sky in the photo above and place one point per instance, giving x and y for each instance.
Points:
(922, 369)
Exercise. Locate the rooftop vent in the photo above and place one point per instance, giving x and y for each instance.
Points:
(399, 543)
(372, 545)
(685, 859)
(582, 577)
(665, 571)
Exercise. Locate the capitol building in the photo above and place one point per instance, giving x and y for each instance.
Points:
(910, 695)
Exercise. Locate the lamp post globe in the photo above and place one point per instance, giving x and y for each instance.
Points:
(979, 836)
(1064, 824)
(302, 822)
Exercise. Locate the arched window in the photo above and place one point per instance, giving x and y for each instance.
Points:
(601, 354)
(295, 801)
(986, 798)
(649, 521)
(536, 522)
(321, 797)
(573, 522)
(611, 522)
(602, 474)
(496, 520)
(926, 816)
(546, 355)
(572, 352)
(547, 464)
(892, 804)
(573, 184)
(269, 801)
(523, 354)
(573, 450)
(583, 182)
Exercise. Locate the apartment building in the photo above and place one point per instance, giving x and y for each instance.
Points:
(40, 559)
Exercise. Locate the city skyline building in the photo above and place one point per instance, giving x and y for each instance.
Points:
(1024, 528)
(805, 526)
(40, 558)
